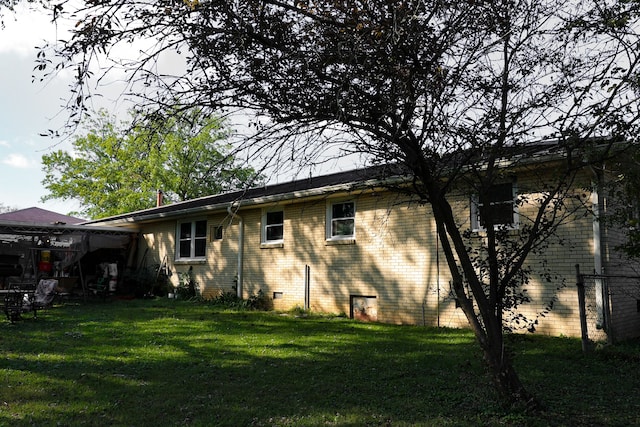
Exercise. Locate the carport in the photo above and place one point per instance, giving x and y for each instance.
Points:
(31, 251)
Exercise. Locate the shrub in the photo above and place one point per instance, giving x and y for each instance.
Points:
(259, 301)
(187, 288)
(230, 299)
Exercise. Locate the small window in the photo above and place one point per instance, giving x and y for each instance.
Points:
(341, 220)
(216, 232)
(273, 226)
(499, 205)
(192, 239)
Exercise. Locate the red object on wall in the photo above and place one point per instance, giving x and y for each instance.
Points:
(44, 266)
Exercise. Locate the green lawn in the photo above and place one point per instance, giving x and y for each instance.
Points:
(167, 362)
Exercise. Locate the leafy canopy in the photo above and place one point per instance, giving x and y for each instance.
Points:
(116, 168)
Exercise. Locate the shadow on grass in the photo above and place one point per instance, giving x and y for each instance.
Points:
(159, 363)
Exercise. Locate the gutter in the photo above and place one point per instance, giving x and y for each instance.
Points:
(233, 214)
(368, 185)
(31, 228)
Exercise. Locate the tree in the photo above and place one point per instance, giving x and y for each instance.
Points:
(117, 168)
(6, 208)
(10, 6)
(447, 89)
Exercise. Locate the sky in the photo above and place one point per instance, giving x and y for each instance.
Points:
(26, 110)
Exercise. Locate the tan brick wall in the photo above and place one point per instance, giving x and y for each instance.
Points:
(394, 259)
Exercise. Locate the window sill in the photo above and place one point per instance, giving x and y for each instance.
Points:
(273, 245)
(481, 232)
(336, 242)
(187, 261)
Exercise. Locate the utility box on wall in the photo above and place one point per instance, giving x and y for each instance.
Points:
(364, 308)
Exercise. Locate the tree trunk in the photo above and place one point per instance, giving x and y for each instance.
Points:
(505, 378)
(487, 324)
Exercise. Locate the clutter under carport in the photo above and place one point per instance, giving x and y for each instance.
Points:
(33, 256)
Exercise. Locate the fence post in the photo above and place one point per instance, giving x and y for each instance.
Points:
(582, 308)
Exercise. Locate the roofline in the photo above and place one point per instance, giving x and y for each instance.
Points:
(370, 184)
(543, 155)
(30, 228)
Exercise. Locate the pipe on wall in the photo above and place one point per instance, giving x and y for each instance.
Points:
(234, 214)
(603, 319)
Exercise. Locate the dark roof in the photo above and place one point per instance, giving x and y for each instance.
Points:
(355, 177)
(38, 216)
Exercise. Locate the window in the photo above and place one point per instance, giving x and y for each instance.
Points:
(341, 220)
(192, 239)
(215, 232)
(499, 205)
(273, 226)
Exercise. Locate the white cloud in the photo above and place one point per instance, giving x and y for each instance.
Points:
(19, 161)
(25, 30)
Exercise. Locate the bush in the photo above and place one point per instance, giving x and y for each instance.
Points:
(259, 301)
(230, 299)
(187, 288)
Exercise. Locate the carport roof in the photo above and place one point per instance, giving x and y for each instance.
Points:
(36, 221)
(38, 216)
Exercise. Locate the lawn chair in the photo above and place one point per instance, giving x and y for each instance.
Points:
(17, 299)
(44, 294)
(13, 303)
(24, 297)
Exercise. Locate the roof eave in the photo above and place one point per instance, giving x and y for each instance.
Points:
(319, 192)
(30, 228)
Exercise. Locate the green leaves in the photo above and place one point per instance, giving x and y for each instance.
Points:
(117, 167)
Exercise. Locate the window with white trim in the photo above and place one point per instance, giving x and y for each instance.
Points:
(273, 226)
(192, 240)
(341, 220)
(499, 205)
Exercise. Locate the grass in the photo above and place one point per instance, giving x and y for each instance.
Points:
(167, 362)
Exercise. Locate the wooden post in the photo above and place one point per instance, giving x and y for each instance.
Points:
(583, 311)
(307, 287)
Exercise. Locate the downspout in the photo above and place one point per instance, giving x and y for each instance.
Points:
(602, 295)
(240, 249)
(438, 272)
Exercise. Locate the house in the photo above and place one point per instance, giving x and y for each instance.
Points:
(344, 243)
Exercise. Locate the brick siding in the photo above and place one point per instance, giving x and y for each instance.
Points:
(394, 258)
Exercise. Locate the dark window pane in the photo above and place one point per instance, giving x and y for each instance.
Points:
(499, 193)
(201, 246)
(498, 205)
(500, 214)
(185, 230)
(185, 248)
(275, 232)
(217, 233)
(201, 228)
(343, 210)
(275, 218)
